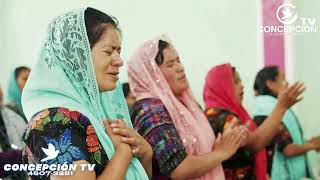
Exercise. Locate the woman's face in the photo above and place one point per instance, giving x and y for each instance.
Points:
(173, 71)
(238, 87)
(106, 59)
(22, 78)
(275, 86)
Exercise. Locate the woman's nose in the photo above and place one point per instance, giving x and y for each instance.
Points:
(180, 68)
(242, 87)
(116, 60)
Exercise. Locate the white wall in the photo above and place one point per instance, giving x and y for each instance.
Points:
(3, 65)
(205, 33)
(307, 63)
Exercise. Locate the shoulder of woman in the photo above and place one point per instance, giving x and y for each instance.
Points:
(12, 115)
(65, 129)
(149, 101)
(217, 114)
(212, 112)
(146, 106)
(57, 117)
(12, 106)
(150, 112)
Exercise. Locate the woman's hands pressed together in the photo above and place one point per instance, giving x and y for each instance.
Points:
(120, 135)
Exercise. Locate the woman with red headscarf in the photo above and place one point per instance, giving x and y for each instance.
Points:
(223, 94)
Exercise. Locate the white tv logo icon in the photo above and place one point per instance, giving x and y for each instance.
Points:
(51, 152)
(289, 14)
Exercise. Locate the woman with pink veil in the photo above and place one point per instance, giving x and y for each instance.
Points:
(169, 118)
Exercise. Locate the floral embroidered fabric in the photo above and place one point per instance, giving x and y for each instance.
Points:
(241, 164)
(70, 132)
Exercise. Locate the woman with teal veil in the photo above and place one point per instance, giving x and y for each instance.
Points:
(16, 84)
(289, 153)
(72, 88)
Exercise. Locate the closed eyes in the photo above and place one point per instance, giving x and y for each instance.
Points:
(107, 52)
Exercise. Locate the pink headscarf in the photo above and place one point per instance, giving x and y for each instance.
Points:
(219, 92)
(147, 81)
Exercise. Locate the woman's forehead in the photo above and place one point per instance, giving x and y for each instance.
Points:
(170, 53)
(110, 38)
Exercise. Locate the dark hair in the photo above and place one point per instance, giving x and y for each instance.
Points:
(19, 69)
(96, 22)
(233, 69)
(265, 74)
(125, 89)
(161, 46)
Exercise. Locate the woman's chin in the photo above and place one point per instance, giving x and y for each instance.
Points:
(184, 86)
(109, 87)
(241, 100)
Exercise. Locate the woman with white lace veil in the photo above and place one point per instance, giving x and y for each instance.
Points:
(71, 92)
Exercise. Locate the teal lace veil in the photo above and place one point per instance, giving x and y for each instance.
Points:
(64, 77)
